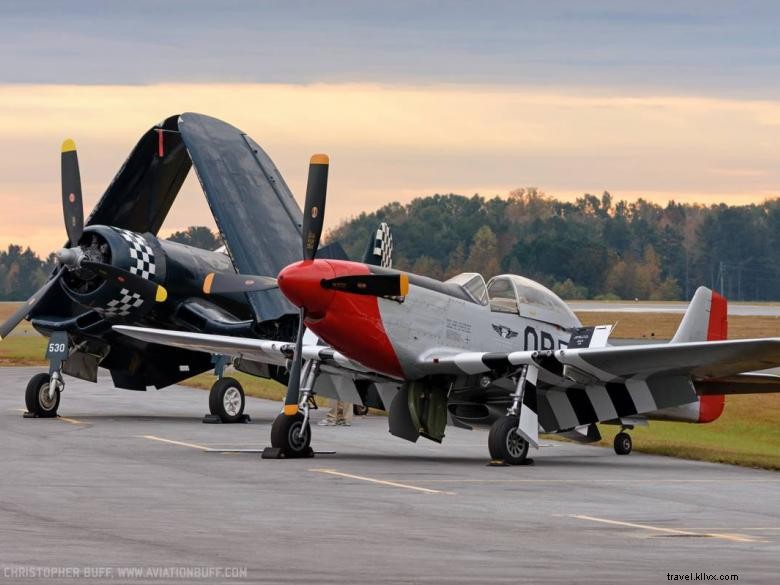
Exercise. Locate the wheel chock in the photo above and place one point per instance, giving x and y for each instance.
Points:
(213, 419)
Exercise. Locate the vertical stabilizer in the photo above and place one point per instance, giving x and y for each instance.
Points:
(380, 248)
(705, 320)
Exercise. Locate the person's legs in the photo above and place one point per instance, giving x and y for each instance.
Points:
(344, 413)
(333, 414)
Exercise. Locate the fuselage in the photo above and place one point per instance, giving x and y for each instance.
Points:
(396, 337)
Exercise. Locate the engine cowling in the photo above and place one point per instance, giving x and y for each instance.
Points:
(139, 254)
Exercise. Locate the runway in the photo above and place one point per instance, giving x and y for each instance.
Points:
(128, 480)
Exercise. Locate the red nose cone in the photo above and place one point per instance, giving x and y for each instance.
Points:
(300, 282)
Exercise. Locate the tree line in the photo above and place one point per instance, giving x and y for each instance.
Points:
(593, 247)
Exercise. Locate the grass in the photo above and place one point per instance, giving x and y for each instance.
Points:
(23, 350)
(662, 326)
(747, 434)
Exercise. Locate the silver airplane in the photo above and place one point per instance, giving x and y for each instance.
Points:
(509, 354)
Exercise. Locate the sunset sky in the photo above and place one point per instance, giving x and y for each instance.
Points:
(662, 100)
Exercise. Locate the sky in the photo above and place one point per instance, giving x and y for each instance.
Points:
(675, 100)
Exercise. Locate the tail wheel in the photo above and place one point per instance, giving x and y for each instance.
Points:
(226, 400)
(505, 443)
(623, 443)
(37, 398)
(289, 434)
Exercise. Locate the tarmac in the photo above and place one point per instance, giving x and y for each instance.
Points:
(132, 487)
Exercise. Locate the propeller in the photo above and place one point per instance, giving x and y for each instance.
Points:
(222, 282)
(73, 258)
(146, 288)
(24, 310)
(72, 204)
(313, 218)
(378, 285)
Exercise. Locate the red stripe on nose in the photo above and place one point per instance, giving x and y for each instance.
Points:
(300, 282)
(350, 323)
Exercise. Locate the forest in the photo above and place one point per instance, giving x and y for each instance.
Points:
(591, 248)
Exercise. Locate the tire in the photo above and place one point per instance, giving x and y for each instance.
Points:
(505, 444)
(36, 397)
(623, 443)
(226, 400)
(284, 435)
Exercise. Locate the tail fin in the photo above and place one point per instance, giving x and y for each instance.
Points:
(705, 320)
(380, 248)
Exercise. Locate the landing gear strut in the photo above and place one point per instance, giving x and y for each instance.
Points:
(291, 434)
(623, 443)
(511, 435)
(42, 396)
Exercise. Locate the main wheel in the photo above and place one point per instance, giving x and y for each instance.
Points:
(226, 400)
(505, 443)
(37, 399)
(289, 435)
(622, 443)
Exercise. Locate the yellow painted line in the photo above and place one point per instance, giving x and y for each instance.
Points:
(381, 481)
(72, 421)
(179, 443)
(731, 537)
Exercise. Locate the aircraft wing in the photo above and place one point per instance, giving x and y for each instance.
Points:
(701, 360)
(142, 192)
(259, 350)
(339, 376)
(253, 207)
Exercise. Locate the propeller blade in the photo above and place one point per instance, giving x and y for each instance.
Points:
(314, 209)
(27, 307)
(378, 285)
(294, 383)
(72, 205)
(223, 282)
(132, 282)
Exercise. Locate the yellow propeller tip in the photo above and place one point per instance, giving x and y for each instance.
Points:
(68, 145)
(207, 282)
(319, 159)
(290, 409)
(404, 284)
(161, 295)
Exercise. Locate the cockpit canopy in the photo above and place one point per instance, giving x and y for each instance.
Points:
(509, 293)
(473, 284)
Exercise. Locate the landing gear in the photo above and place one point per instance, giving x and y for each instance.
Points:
(505, 443)
(292, 435)
(226, 400)
(622, 443)
(42, 396)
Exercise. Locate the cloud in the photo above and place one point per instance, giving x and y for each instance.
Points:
(391, 142)
(710, 47)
